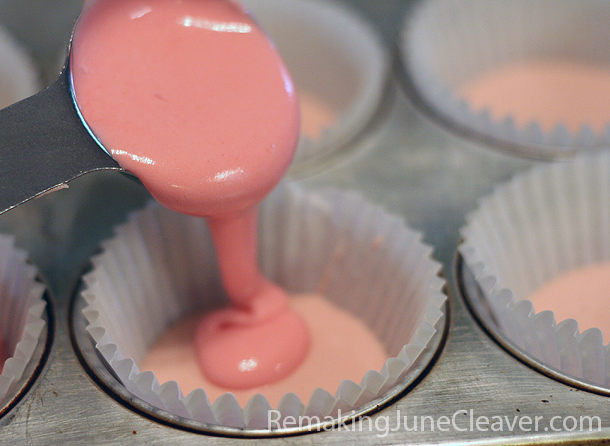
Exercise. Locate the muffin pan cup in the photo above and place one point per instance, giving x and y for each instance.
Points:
(332, 243)
(445, 44)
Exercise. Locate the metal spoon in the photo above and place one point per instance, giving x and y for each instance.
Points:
(44, 145)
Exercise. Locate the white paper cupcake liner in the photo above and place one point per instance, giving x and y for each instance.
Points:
(332, 243)
(19, 76)
(537, 226)
(444, 43)
(21, 323)
(334, 54)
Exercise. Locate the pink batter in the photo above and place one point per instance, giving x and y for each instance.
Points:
(342, 347)
(192, 98)
(547, 91)
(582, 294)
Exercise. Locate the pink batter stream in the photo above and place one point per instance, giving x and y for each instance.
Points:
(192, 98)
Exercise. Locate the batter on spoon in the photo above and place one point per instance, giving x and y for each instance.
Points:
(192, 98)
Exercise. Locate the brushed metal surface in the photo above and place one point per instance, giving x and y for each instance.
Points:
(407, 163)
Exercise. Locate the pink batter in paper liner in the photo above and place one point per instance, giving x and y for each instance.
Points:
(582, 294)
(546, 91)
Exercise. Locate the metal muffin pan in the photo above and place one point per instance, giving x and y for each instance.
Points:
(414, 167)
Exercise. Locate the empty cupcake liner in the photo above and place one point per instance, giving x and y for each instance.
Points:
(443, 44)
(22, 307)
(334, 56)
(19, 76)
(537, 226)
(334, 243)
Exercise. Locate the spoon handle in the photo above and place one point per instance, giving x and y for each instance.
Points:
(44, 144)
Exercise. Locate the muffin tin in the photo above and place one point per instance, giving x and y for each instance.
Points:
(19, 75)
(414, 168)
